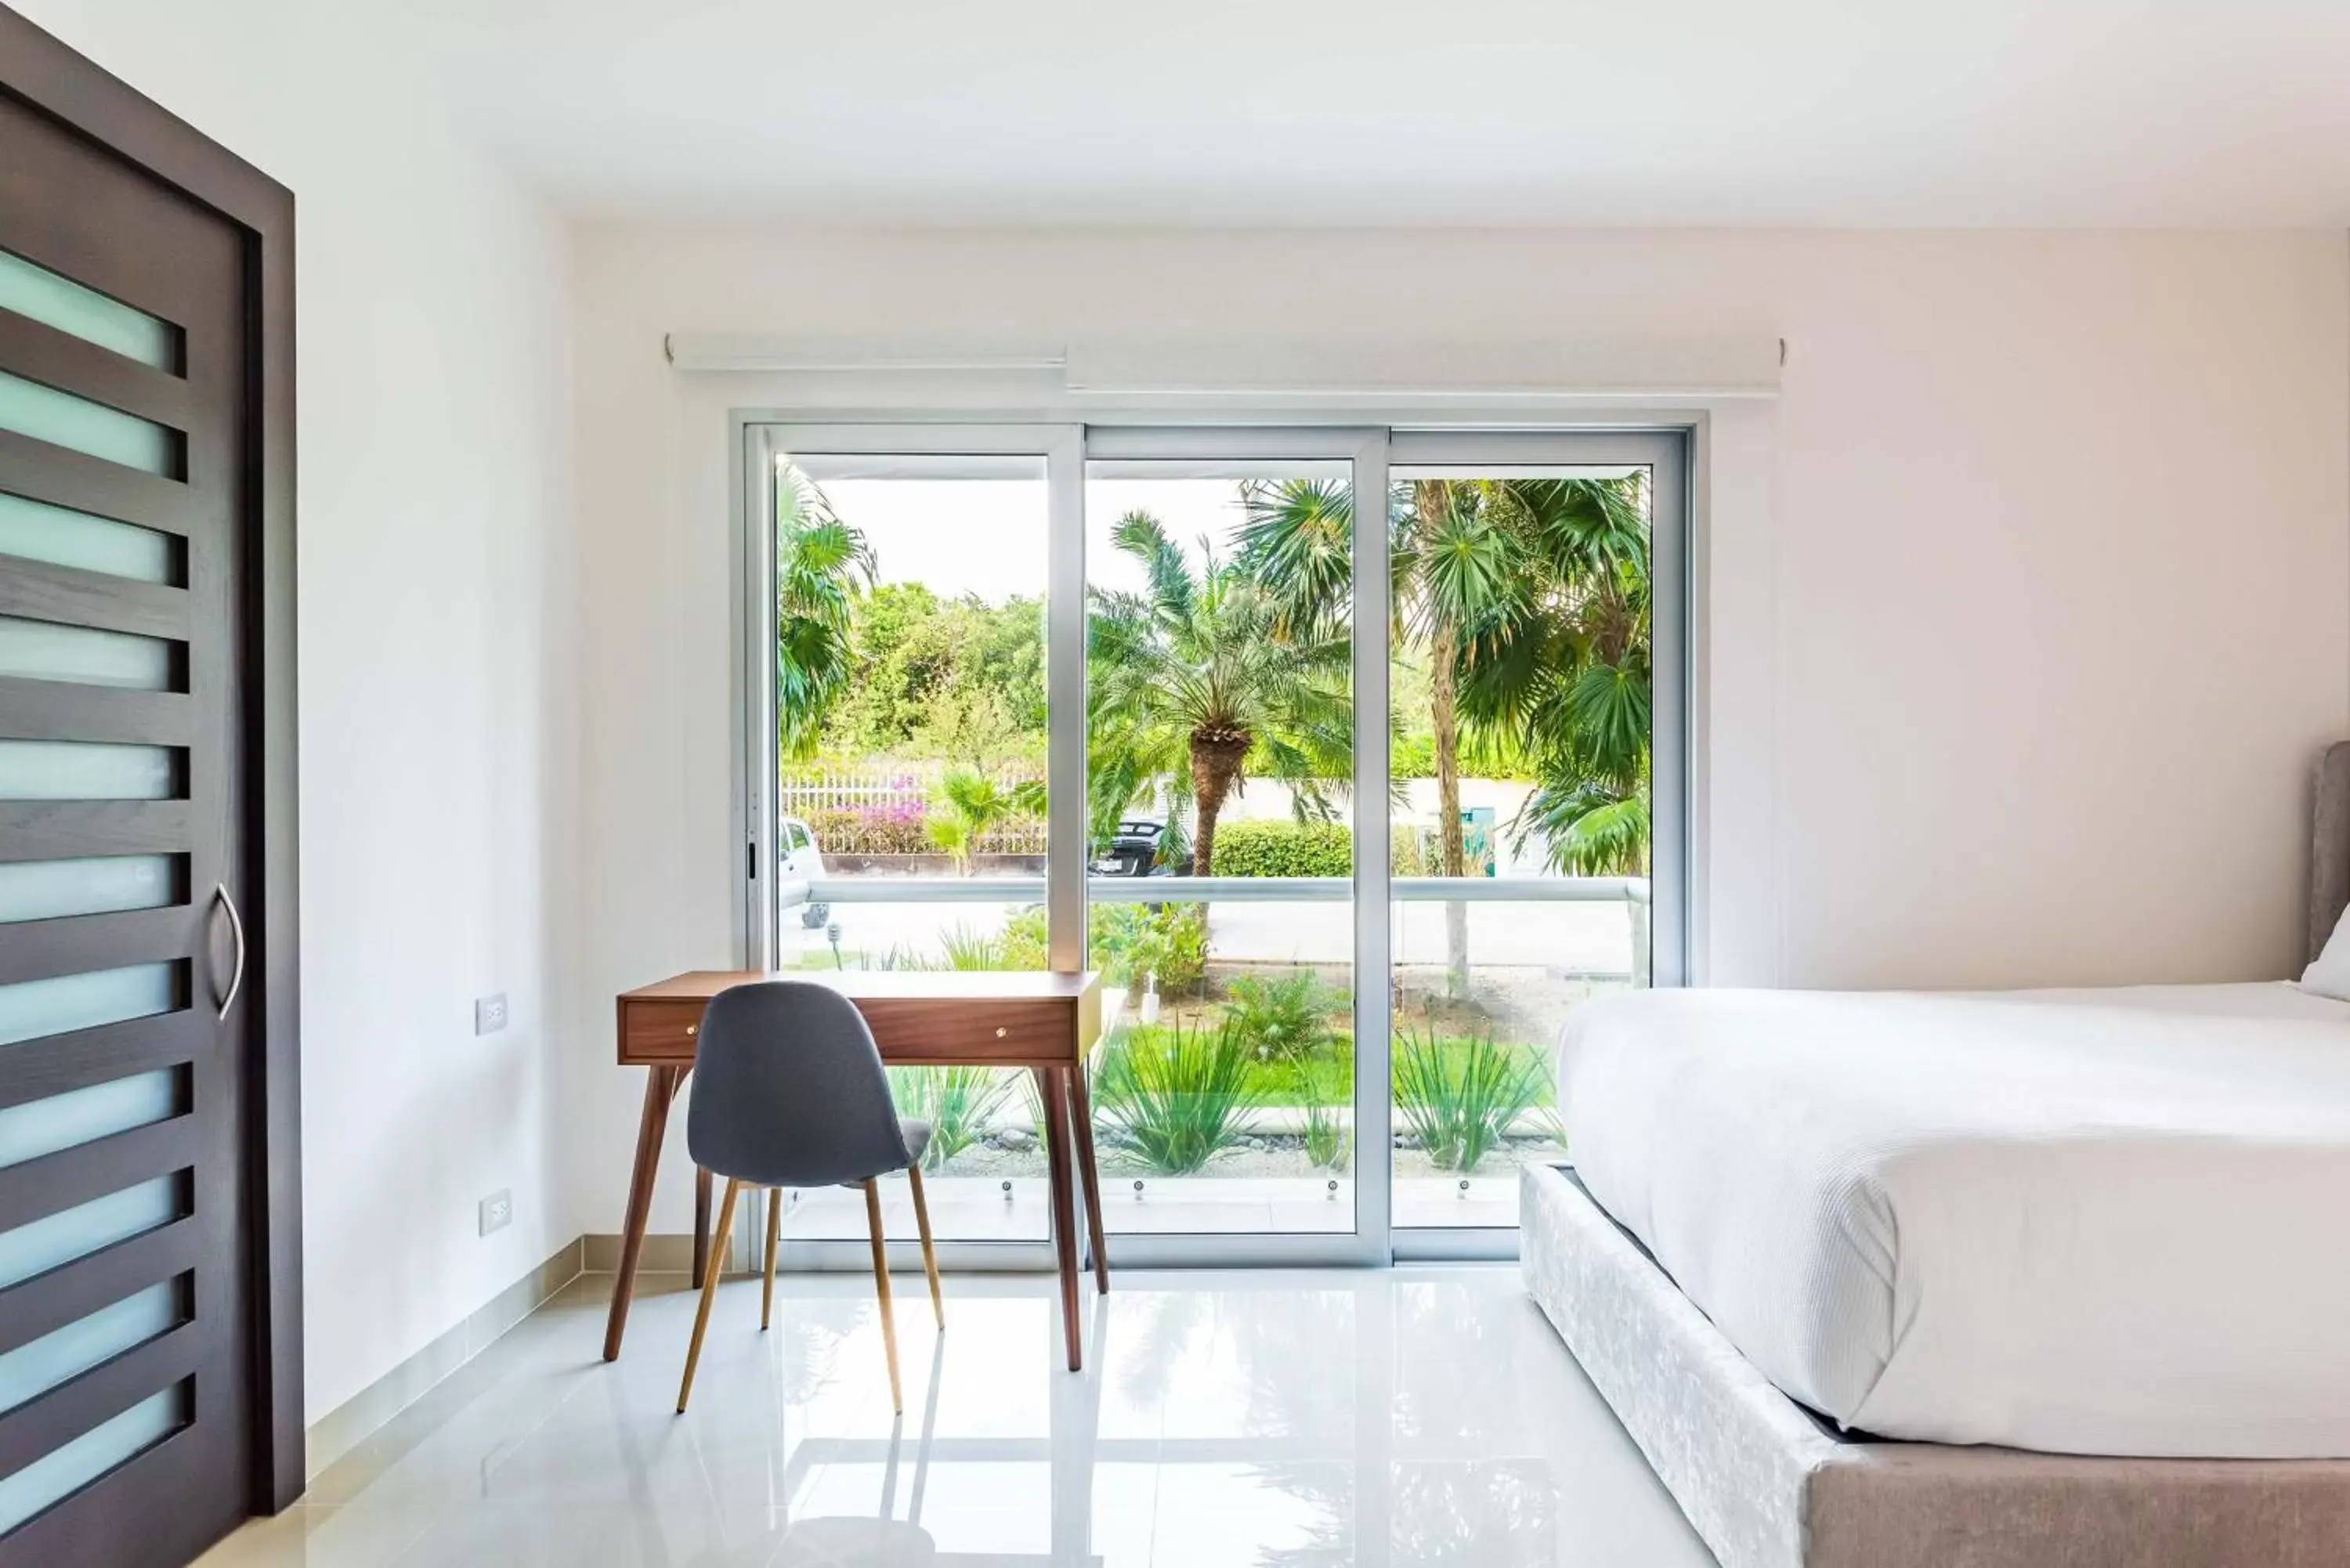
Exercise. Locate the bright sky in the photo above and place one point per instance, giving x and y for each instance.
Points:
(987, 536)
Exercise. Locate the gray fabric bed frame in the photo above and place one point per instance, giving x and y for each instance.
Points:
(1768, 1485)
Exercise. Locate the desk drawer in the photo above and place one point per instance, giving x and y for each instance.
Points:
(978, 1031)
(658, 1030)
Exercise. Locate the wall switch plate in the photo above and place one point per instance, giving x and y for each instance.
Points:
(489, 1013)
(497, 1211)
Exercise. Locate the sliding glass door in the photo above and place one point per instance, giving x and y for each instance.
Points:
(1148, 700)
(1532, 676)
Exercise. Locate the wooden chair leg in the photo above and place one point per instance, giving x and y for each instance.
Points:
(775, 1232)
(709, 1293)
(881, 1289)
(929, 1254)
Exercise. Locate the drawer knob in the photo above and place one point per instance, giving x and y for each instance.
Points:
(1001, 1033)
(691, 1030)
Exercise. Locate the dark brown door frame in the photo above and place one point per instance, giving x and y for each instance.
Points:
(38, 71)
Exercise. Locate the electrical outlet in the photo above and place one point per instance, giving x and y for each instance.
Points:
(497, 1211)
(489, 1013)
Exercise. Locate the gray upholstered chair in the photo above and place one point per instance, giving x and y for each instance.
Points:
(789, 1090)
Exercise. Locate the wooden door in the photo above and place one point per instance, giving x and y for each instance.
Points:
(141, 1367)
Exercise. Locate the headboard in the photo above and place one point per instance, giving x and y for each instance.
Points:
(2329, 845)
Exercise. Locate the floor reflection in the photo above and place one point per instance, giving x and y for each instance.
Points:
(1289, 1419)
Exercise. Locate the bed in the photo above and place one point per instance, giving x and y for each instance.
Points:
(2035, 1277)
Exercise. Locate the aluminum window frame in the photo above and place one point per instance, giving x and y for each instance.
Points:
(1374, 449)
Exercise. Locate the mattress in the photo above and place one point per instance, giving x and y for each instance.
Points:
(2090, 1223)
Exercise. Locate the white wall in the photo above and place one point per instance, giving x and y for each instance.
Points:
(439, 732)
(2028, 604)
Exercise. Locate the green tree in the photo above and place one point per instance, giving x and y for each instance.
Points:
(1200, 677)
(820, 562)
(1528, 600)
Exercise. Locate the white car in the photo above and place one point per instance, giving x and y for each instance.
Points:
(801, 862)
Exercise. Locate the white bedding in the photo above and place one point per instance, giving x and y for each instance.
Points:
(2099, 1222)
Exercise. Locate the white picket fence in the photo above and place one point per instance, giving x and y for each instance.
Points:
(808, 790)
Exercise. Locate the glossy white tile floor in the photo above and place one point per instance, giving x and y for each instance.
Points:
(1422, 1416)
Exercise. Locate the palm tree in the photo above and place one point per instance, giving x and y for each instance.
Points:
(820, 563)
(1561, 667)
(969, 804)
(1200, 676)
(1529, 599)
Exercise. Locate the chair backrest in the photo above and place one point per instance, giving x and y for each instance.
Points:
(788, 1090)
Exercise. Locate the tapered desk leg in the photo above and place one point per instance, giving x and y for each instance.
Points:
(1081, 1113)
(701, 1226)
(661, 1088)
(1053, 1084)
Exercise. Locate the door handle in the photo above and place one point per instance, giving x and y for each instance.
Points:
(236, 928)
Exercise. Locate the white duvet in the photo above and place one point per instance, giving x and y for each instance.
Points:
(2097, 1222)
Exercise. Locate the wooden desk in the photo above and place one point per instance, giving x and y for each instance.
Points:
(1044, 1022)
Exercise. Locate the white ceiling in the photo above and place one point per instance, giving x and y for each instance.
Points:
(2029, 112)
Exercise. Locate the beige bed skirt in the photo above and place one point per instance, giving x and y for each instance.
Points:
(1768, 1487)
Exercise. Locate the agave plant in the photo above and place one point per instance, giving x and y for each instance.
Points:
(1175, 1094)
(1459, 1096)
(958, 1103)
(1326, 1139)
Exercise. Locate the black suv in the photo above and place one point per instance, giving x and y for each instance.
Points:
(1133, 850)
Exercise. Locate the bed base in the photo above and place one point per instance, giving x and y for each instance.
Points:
(1766, 1485)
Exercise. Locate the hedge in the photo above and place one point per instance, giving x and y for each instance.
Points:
(1250, 848)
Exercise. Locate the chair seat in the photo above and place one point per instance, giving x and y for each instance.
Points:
(917, 1132)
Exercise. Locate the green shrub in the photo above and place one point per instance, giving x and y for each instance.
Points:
(1123, 940)
(1175, 1094)
(967, 949)
(958, 1103)
(1328, 1091)
(1284, 1020)
(1250, 848)
(1460, 1097)
(1412, 852)
(1026, 941)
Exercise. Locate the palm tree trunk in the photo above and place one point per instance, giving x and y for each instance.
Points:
(1454, 846)
(1216, 758)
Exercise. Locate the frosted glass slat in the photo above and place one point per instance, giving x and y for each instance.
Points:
(31, 1370)
(63, 419)
(54, 300)
(78, 1117)
(61, 1473)
(95, 884)
(56, 1240)
(32, 1009)
(86, 770)
(41, 650)
(37, 531)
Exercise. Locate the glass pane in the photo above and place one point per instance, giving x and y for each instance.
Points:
(64, 1471)
(42, 650)
(1219, 741)
(31, 1370)
(54, 300)
(36, 1128)
(47, 889)
(56, 1240)
(911, 716)
(1520, 687)
(87, 770)
(1224, 1098)
(35, 531)
(31, 1009)
(63, 419)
